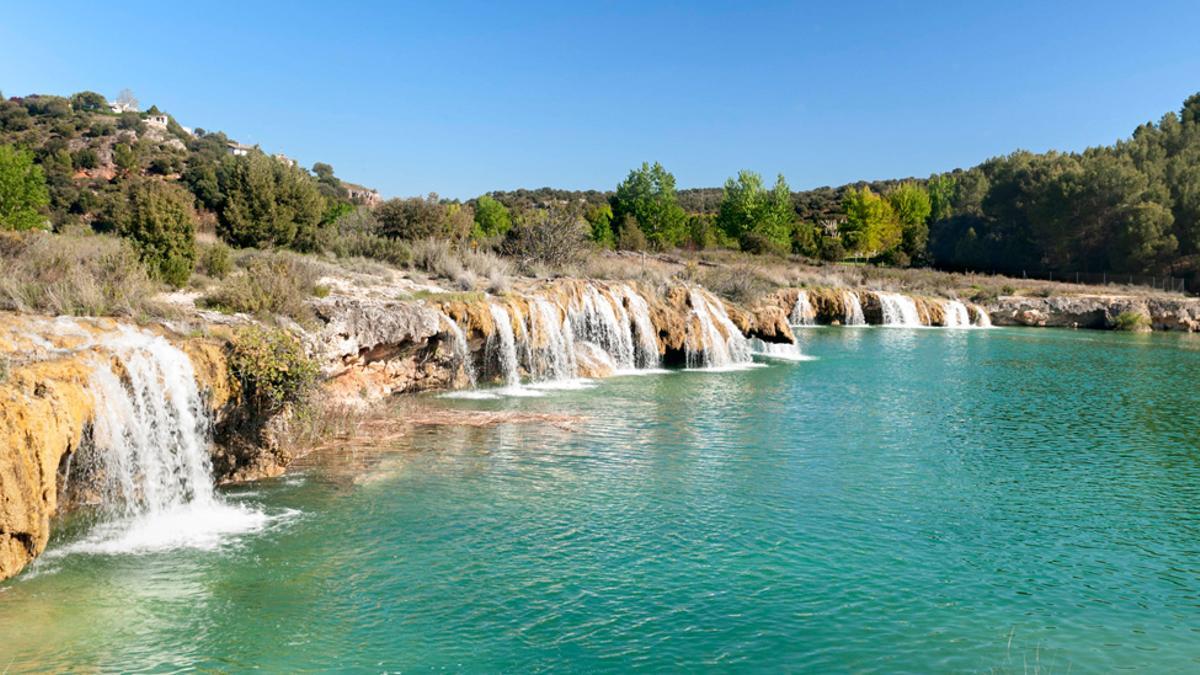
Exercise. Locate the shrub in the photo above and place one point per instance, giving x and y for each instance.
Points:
(983, 294)
(759, 243)
(738, 283)
(92, 275)
(547, 237)
(375, 247)
(157, 217)
(272, 369)
(630, 236)
(1133, 322)
(272, 284)
(423, 218)
(436, 257)
(215, 261)
(23, 192)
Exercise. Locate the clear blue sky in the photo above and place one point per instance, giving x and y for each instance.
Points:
(465, 97)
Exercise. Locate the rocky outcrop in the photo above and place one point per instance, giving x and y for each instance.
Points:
(1096, 311)
(369, 349)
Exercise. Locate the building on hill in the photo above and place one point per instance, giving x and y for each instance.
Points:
(238, 149)
(158, 120)
(362, 195)
(285, 159)
(123, 107)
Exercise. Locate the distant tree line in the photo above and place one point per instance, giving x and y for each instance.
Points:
(1133, 207)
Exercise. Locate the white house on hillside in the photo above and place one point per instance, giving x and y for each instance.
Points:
(237, 149)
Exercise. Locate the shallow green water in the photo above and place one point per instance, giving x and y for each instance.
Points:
(913, 500)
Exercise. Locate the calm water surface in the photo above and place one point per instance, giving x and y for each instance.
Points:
(912, 500)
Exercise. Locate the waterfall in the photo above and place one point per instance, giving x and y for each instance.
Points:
(854, 312)
(789, 351)
(502, 345)
(151, 430)
(898, 310)
(982, 320)
(719, 343)
(955, 315)
(462, 350)
(646, 341)
(599, 320)
(148, 457)
(803, 313)
(550, 344)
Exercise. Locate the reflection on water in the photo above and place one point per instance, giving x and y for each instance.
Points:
(910, 500)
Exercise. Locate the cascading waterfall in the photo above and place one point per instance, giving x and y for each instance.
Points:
(502, 346)
(854, 311)
(462, 350)
(803, 313)
(898, 310)
(646, 342)
(555, 359)
(148, 458)
(604, 323)
(982, 320)
(955, 315)
(718, 343)
(150, 430)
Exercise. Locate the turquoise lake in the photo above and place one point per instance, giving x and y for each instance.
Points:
(1008, 500)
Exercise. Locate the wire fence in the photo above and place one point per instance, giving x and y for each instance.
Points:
(1161, 283)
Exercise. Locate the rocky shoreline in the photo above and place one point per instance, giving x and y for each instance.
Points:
(372, 346)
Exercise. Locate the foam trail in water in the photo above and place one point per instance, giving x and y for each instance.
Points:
(898, 310)
(854, 311)
(803, 313)
(779, 351)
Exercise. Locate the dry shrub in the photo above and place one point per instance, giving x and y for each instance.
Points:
(88, 275)
(272, 284)
(738, 283)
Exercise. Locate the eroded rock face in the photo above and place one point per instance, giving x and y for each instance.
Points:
(1095, 311)
(369, 349)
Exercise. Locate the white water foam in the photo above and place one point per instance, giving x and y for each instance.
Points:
(982, 320)
(803, 313)
(779, 351)
(854, 311)
(717, 343)
(955, 315)
(898, 310)
(150, 450)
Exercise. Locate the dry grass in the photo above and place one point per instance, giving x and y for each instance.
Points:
(272, 284)
(83, 275)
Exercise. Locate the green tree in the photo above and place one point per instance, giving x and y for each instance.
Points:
(158, 219)
(599, 218)
(423, 218)
(267, 203)
(23, 191)
(124, 157)
(89, 101)
(754, 217)
(912, 205)
(491, 217)
(648, 194)
(871, 226)
(941, 196)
